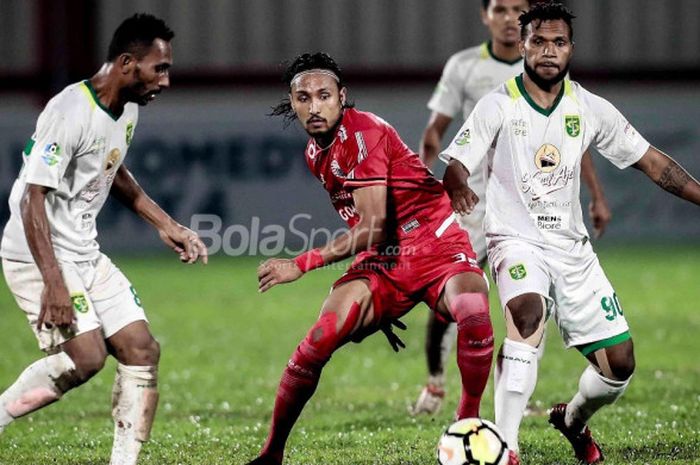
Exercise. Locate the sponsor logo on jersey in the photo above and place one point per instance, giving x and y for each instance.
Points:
(129, 132)
(547, 158)
(80, 303)
(517, 272)
(464, 137)
(460, 257)
(52, 154)
(573, 125)
(410, 226)
(519, 127)
(342, 133)
(112, 160)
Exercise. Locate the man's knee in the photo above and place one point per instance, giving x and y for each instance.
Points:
(87, 364)
(146, 352)
(471, 312)
(527, 313)
(621, 361)
(327, 334)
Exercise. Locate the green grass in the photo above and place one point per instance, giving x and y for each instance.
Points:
(224, 347)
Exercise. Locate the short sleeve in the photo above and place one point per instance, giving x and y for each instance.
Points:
(52, 147)
(448, 97)
(372, 168)
(615, 137)
(476, 135)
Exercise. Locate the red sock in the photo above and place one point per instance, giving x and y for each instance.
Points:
(298, 383)
(301, 376)
(474, 350)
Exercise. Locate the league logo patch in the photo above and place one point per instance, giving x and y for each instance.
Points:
(517, 272)
(464, 137)
(573, 125)
(547, 158)
(129, 132)
(80, 303)
(52, 154)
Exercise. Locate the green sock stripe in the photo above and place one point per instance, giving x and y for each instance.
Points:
(609, 342)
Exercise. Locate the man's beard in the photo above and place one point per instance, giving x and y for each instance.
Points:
(546, 84)
(325, 138)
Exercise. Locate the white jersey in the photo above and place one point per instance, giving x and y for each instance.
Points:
(533, 189)
(76, 151)
(467, 77)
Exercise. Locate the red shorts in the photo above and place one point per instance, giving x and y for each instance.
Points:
(414, 273)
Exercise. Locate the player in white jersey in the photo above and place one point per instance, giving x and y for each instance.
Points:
(540, 124)
(468, 76)
(80, 306)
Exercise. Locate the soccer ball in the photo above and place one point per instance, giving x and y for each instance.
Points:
(472, 441)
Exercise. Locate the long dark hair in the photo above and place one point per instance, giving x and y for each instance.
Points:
(306, 62)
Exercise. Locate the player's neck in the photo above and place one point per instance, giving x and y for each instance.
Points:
(545, 98)
(505, 51)
(107, 90)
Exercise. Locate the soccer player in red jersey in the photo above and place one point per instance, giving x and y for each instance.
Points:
(408, 247)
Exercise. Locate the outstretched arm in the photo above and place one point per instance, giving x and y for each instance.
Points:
(370, 203)
(669, 175)
(179, 238)
(432, 137)
(598, 209)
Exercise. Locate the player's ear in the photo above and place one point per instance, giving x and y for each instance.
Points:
(343, 96)
(126, 62)
(521, 47)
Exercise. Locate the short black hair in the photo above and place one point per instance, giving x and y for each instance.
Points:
(546, 11)
(136, 35)
(306, 62)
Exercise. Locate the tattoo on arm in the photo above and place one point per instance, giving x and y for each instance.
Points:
(673, 179)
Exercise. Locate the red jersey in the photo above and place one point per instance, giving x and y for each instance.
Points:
(367, 151)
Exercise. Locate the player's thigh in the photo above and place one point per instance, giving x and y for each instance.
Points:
(26, 285)
(589, 313)
(350, 300)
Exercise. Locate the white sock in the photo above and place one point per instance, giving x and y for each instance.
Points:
(594, 392)
(134, 402)
(447, 343)
(40, 384)
(516, 377)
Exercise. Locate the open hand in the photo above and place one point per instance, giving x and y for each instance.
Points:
(277, 271)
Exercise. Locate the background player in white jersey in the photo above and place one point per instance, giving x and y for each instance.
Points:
(80, 306)
(540, 124)
(468, 76)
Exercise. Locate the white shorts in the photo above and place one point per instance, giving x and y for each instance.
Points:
(585, 306)
(102, 298)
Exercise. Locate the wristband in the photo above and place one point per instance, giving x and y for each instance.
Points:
(309, 260)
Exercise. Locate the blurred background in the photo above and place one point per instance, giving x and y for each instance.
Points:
(207, 146)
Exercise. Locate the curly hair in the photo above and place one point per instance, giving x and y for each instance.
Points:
(305, 62)
(546, 11)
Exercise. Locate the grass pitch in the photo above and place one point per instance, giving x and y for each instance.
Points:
(224, 347)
